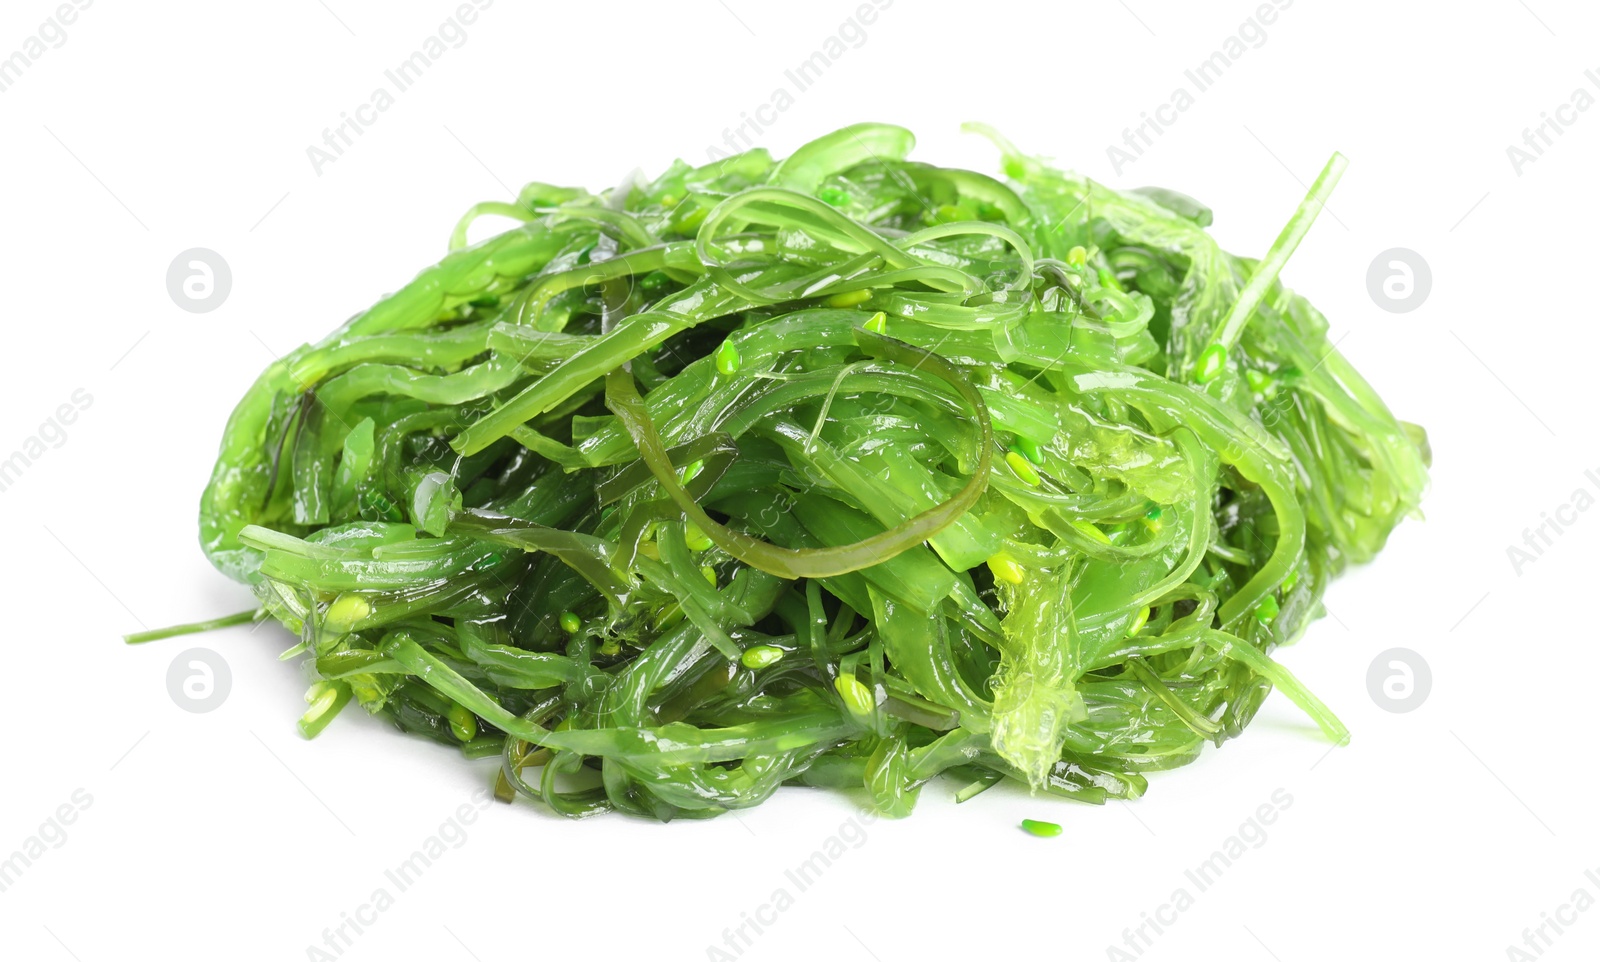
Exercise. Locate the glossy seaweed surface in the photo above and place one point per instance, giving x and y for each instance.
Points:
(843, 470)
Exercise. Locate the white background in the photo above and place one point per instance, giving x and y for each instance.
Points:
(158, 127)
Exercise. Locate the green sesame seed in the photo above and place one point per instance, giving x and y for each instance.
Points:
(1091, 532)
(1030, 449)
(346, 610)
(727, 358)
(1267, 610)
(463, 723)
(696, 539)
(1006, 569)
(1152, 518)
(1211, 362)
(857, 697)
(1023, 469)
(760, 656)
(849, 298)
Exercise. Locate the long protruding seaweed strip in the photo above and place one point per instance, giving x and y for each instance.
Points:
(161, 634)
(1284, 681)
(1278, 254)
(843, 470)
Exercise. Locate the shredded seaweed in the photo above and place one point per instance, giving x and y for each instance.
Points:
(845, 471)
